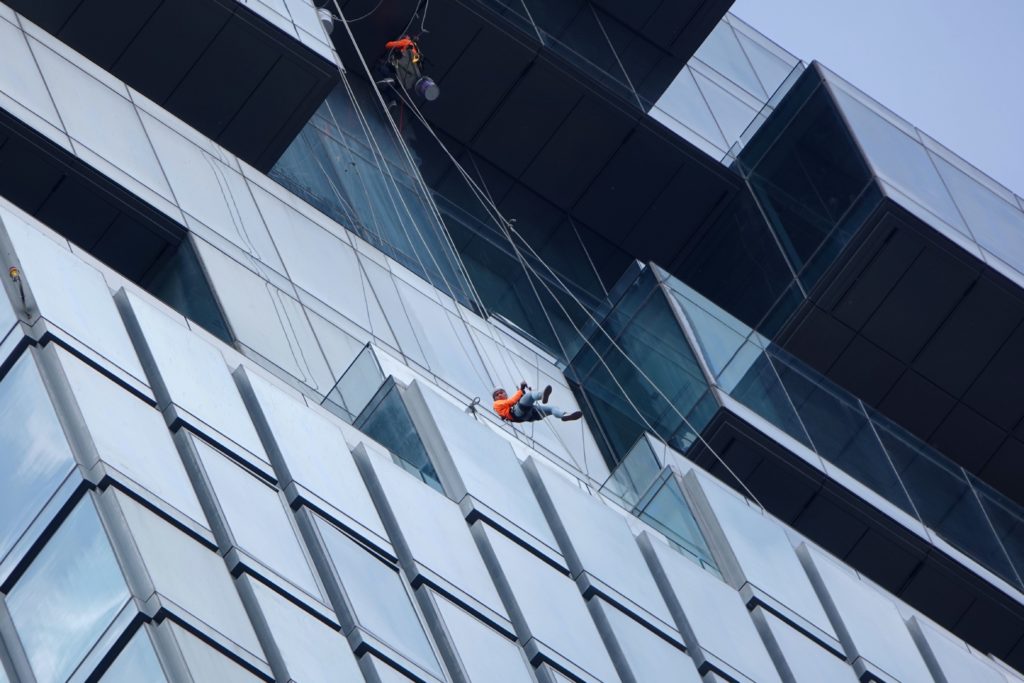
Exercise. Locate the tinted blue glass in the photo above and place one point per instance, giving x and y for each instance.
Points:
(136, 663)
(68, 596)
(33, 450)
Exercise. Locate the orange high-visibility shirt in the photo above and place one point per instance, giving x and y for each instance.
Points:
(400, 44)
(504, 408)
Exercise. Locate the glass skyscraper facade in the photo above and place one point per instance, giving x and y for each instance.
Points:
(255, 299)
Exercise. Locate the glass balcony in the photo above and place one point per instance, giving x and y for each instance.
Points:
(712, 352)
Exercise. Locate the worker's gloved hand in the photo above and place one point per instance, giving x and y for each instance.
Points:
(522, 386)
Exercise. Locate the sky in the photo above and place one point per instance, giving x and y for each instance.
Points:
(953, 68)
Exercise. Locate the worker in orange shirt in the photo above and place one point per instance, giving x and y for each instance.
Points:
(523, 407)
(405, 59)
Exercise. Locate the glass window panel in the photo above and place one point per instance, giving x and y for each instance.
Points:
(136, 663)
(711, 615)
(383, 672)
(312, 651)
(131, 436)
(722, 52)
(486, 656)
(196, 376)
(68, 595)
(997, 225)
(551, 606)
(435, 532)
(316, 453)
(874, 629)
(899, 159)
(188, 574)
(205, 664)
(807, 661)
(498, 479)
(771, 69)
(764, 556)
(259, 521)
(34, 451)
(602, 543)
(378, 597)
(101, 119)
(90, 316)
(387, 421)
(650, 658)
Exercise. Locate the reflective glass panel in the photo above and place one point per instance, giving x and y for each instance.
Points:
(485, 655)
(136, 663)
(33, 449)
(952, 658)
(721, 51)
(131, 436)
(68, 595)
(807, 661)
(257, 517)
(205, 664)
(378, 598)
(312, 651)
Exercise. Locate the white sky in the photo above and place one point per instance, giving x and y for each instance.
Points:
(953, 68)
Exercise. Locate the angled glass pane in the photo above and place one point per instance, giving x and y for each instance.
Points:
(722, 52)
(485, 655)
(131, 436)
(899, 158)
(137, 662)
(33, 449)
(683, 103)
(997, 225)
(257, 517)
(379, 599)
(807, 661)
(771, 69)
(68, 596)
(313, 652)
(732, 114)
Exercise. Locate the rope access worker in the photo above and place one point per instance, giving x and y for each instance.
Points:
(404, 58)
(522, 407)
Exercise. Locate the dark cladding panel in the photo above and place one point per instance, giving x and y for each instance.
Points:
(1003, 469)
(471, 90)
(532, 112)
(866, 370)
(968, 438)
(970, 337)
(27, 175)
(452, 29)
(232, 66)
(917, 404)
(628, 184)
(996, 393)
(168, 45)
(578, 150)
(819, 339)
(81, 209)
(130, 248)
(919, 302)
(49, 15)
(103, 29)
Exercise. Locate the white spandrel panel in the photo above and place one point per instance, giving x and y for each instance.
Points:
(20, 78)
(101, 119)
(90, 316)
(551, 617)
(431, 532)
(598, 541)
(313, 454)
(195, 377)
(711, 615)
(485, 655)
(648, 657)
(800, 659)
(757, 557)
(870, 627)
(474, 461)
(948, 658)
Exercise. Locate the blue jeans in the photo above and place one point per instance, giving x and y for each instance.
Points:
(527, 410)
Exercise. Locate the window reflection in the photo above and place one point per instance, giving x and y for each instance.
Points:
(33, 449)
(136, 663)
(68, 596)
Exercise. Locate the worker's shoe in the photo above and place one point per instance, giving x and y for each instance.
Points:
(547, 394)
(572, 416)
